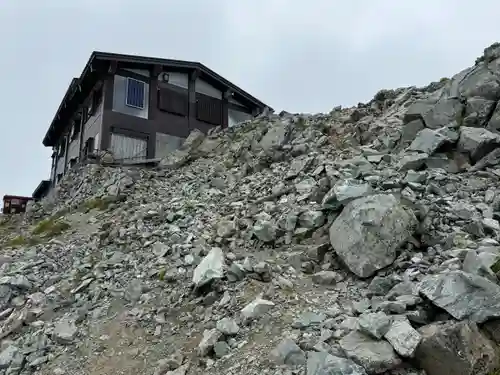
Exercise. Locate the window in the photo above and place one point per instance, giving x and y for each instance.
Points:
(135, 93)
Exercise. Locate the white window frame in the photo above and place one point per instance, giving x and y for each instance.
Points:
(129, 79)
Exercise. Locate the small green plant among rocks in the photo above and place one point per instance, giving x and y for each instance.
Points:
(50, 227)
(22, 241)
(96, 203)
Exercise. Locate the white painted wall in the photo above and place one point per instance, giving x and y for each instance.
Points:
(94, 124)
(178, 79)
(166, 143)
(119, 97)
(235, 117)
(205, 88)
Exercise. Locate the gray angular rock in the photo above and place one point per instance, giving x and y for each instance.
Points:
(226, 228)
(477, 142)
(256, 308)
(455, 348)
(413, 161)
(309, 319)
(418, 109)
(410, 131)
(210, 268)
(492, 328)
(343, 192)
(298, 165)
(403, 337)
(481, 82)
(463, 295)
(228, 326)
(380, 286)
(322, 363)
(65, 331)
(376, 356)
(368, 232)
(480, 262)
(265, 230)
(375, 324)
(429, 141)
(288, 353)
(494, 122)
(221, 348)
(311, 219)
(18, 281)
(477, 111)
(443, 113)
(7, 356)
(208, 341)
(276, 136)
(327, 277)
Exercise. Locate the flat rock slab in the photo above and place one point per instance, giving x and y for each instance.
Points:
(463, 295)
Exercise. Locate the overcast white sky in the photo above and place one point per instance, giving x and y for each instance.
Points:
(298, 55)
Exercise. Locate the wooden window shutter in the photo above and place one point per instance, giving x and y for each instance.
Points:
(208, 109)
(173, 101)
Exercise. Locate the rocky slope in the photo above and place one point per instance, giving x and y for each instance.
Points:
(363, 241)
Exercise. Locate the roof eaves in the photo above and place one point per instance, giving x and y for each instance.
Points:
(144, 60)
(180, 64)
(69, 92)
(40, 186)
(73, 83)
(231, 85)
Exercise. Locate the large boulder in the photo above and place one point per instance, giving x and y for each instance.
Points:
(368, 232)
(494, 122)
(463, 295)
(455, 348)
(429, 140)
(477, 111)
(445, 112)
(477, 142)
